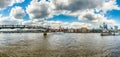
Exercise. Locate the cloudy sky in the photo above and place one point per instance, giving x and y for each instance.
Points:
(65, 13)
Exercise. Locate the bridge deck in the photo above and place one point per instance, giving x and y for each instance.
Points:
(22, 27)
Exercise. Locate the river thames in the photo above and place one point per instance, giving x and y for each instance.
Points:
(59, 45)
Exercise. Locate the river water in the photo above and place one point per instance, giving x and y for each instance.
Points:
(59, 45)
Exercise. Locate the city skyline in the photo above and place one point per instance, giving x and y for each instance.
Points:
(68, 13)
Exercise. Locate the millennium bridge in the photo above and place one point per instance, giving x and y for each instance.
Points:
(20, 26)
(40, 28)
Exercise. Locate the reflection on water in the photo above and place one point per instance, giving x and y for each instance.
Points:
(58, 45)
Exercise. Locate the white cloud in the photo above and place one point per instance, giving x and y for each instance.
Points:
(76, 5)
(5, 3)
(9, 21)
(88, 15)
(95, 19)
(83, 9)
(75, 25)
(39, 10)
(35, 22)
(53, 24)
(17, 13)
(58, 24)
(18, 1)
(29, 22)
(110, 5)
(80, 25)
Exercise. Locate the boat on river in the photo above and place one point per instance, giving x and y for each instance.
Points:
(113, 31)
(110, 34)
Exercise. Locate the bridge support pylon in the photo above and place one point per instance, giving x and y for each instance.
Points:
(45, 33)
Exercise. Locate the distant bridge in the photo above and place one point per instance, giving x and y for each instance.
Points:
(23, 27)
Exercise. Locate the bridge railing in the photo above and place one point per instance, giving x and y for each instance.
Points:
(21, 26)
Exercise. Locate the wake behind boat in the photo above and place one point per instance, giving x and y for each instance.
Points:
(110, 34)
